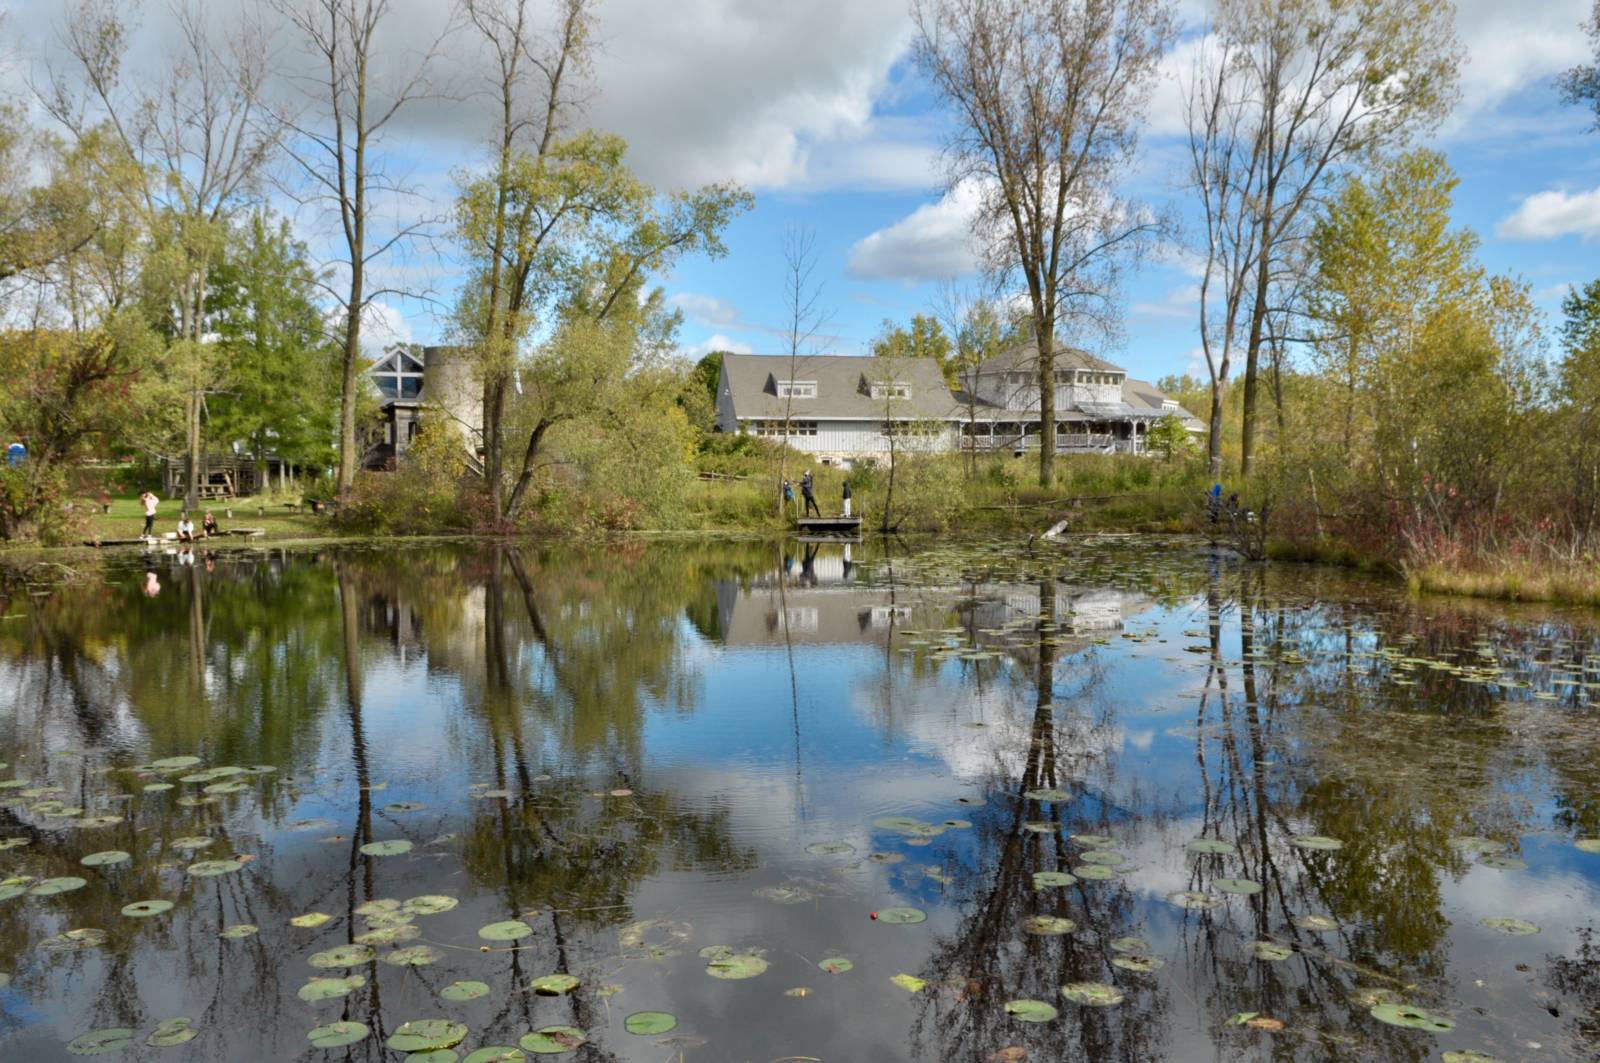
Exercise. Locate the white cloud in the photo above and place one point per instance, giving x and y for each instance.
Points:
(1182, 302)
(1513, 46)
(382, 325)
(1547, 215)
(706, 309)
(717, 342)
(933, 242)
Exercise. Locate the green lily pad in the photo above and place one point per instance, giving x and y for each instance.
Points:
(169, 1033)
(1211, 846)
(1031, 1010)
(144, 909)
(390, 919)
(337, 1034)
(907, 825)
(1270, 950)
(1138, 962)
(433, 1055)
(1316, 842)
(496, 1054)
(1048, 879)
(427, 1035)
(1242, 886)
(733, 966)
(1048, 925)
(1094, 994)
(553, 1040)
(98, 1042)
(1412, 1018)
(210, 868)
(413, 956)
(377, 907)
(14, 842)
(89, 822)
(1502, 862)
(174, 763)
(389, 935)
(509, 930)
(785, 894)
(1510, 926)
(51, 886)
(311, 920)
(1194, 900)
(1048, 796)
(553, 985)
(240, 930)
(157, 787)
(74, 940)
(1473, 845)
(909, 982)
(1319, 923)
(901, 916)
(1104, 857)
(1094, 872)
(835, 965)
(226, 788)
(462, 991)
(342, 956)
(106, 858)
(1094, 841)
(430, 904)
(1468, 1056)
(190, 844)
(650, 1023)
(321, 988)
(393, 847)
(1131, 946)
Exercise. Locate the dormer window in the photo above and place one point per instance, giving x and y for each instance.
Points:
(890, 389)
(797, 389)
(399, 376)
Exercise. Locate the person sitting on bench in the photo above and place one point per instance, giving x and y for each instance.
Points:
(185, 528)
(209, 525)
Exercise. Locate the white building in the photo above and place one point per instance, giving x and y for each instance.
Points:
(842, 408)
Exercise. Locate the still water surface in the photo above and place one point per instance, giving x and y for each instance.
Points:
(808, 804)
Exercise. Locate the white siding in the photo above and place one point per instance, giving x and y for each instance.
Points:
(865, 438)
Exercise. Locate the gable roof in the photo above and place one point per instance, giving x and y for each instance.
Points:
(1145, 397)
(843, 386)
(1025, 356)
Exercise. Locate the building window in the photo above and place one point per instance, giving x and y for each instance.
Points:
(398, 376)
(797, 389)
(911, 429)
(890, 389)
(774, 428)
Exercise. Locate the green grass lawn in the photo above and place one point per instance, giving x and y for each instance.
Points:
(126, 518)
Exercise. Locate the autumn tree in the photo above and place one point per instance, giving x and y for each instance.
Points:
(1047, 97)
(924, 337)
(1581, 84)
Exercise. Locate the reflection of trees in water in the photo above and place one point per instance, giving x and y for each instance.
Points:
(990, 959)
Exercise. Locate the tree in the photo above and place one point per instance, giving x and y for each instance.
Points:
(805, 318)
(925, 338)
(1170, 437)
(1048, 96)
(336, 148)
(1578, 392)
(979, 332)
(280, 389)
(198, 139)
(1581, 84)
(1290, 91)
(698, 395)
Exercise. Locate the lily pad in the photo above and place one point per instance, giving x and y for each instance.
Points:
(174, 763)
(430, 904)
(389, 935)
(210, 868)
(1103, 857)
(404, 806)
(1048, 925)
(413, 956)
(901, 916)
(393, 847)
(553, 1040)
(1048, 879)
(909, 982)
(169, 1033)
(342, 956)
(1270, 950)
(1048, 796)
(835, 964)
(1094, 841)
(337, 1034)
(51, 886)
(1241, 886)
(1319, 923)
(1211, 846)
(427, 1035)
(496, 1054)
(1094, 872)
(509, 930)
(321, 988)
(650, 1023)
(1412, 1018)
(311, 919)
(1316, 842)
(106, 858)
(1093, 994)
(553, 985)
(1510, 926)
(14, 842)
(1031, 1010)
(907, 825)
(1138, 962)
(785, 894)
(1132, 946)
(433, 1055)
(1194, 900)
(1502, 862)
(143, 909)
(74, 940)
(462, 991)
(1473, 845)
(735, 965)
(99, 821)
(1469, 1056)
(239, 930)
(98, 1042)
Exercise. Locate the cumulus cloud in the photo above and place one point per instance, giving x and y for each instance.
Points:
(1182, 302)
(706, 309)
(933, 242)
(716, 342)
(1547, 215)
(381, 325)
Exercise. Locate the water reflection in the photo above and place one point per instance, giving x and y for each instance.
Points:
(702, 734)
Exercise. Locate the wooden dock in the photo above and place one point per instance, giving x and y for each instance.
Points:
(830, 527)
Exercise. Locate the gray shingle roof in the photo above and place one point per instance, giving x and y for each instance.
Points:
(1025, 356)
(843, 386)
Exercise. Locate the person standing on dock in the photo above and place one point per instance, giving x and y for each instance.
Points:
(150, 503)
(808, 490)
(847, 498)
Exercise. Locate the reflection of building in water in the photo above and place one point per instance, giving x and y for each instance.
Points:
(822, 601)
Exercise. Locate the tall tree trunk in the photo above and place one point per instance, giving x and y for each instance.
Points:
(1252, 361)
(1214, 442)
(1047, 405)
(530, 457)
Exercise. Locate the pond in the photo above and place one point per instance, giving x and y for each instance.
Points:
(1114, 799)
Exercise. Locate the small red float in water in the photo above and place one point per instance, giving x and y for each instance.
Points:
(874, 915)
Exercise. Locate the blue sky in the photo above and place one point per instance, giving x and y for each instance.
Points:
(817, 109)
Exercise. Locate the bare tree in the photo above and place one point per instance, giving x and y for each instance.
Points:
(336, 145)
(531, 82)
(977, 330)
(802, 298)
(199, 138)
(1048, 96)
(1292, 90)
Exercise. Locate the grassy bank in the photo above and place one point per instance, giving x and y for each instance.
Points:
(1514, 582)
(274, 517)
